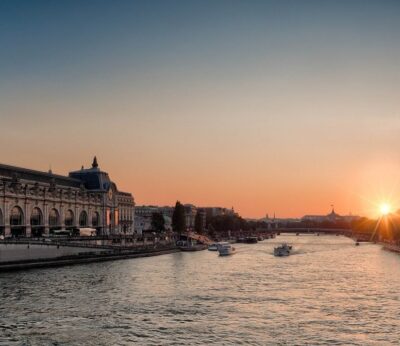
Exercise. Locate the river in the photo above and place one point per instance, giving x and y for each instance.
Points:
(329, 292)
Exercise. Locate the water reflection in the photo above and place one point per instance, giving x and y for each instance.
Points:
(327, 292)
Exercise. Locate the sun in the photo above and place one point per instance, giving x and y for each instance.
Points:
(385, 208)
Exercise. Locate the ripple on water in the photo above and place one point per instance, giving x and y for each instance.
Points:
(328, 293)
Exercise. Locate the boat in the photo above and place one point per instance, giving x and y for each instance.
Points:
(226, 249)
(197, 247)
(251, 240)
(213, 247)
(283, 250)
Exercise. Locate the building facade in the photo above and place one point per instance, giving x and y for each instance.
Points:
(190, 215)
(331, 217)
(144, 215)
(218, 211)
(34, 203)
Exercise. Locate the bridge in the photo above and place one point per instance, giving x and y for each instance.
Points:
(341, 231)
(335, 231)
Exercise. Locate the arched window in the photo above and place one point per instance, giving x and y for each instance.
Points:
(1, 218)
(17, 222)
(54, 218)
(1, 223)
(83, 218)
(95, 219)
(16, 217)
(69, 218)
(37, 222)
(36, 217)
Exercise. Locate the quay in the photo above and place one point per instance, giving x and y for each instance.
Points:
(27, 254)
(394, 247)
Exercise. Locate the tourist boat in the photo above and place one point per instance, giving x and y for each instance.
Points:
(283, 250)
(251, 240)
(189, 246)
(196, 247)
(213, 247)
(226, 249)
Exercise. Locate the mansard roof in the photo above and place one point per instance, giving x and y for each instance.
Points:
(92, 178)
(7, 171)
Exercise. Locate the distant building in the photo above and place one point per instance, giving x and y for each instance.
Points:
(190, 215)
(34, 203)
(218, 211)
(203, 215)
(331, 217)
(144, 214)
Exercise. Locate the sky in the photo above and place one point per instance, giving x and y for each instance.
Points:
(267, 106)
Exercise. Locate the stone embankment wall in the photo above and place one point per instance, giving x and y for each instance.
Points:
(22, 255)
(12, 252)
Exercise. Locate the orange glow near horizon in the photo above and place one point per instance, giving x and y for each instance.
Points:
(253, 193)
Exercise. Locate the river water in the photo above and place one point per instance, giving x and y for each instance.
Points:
(329, 292)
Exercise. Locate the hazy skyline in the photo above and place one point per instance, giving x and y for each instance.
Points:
(267, 106)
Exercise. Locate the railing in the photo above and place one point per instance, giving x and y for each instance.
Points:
(136, 246)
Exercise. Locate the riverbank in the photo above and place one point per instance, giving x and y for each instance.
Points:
(391, 247)
(82, 257)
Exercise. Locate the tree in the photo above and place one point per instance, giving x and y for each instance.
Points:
(198, 223)
(224, 223)
(178, 218)
(158, 222)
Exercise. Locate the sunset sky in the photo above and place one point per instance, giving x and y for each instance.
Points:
(267, 106)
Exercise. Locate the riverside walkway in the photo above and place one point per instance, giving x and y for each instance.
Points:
(200, 238)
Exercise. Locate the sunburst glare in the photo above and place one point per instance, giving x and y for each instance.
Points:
(385, 208)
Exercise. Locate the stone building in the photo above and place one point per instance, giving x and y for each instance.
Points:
(34, 203)
(331, 217)
(144, 214)
(190, 215)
